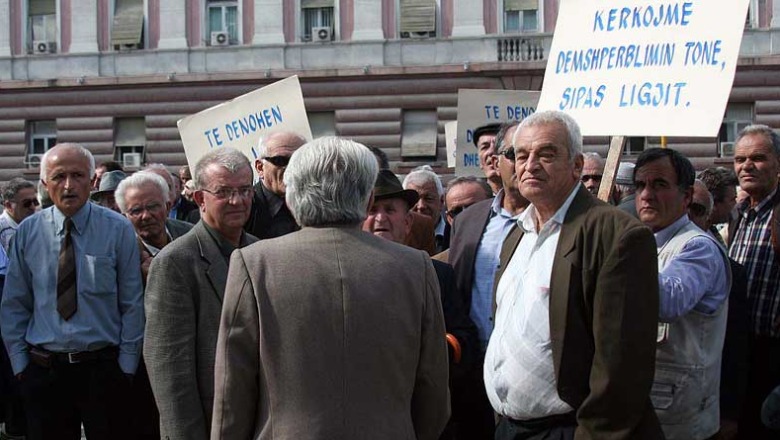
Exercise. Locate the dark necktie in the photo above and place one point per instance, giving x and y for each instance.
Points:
(66, 275)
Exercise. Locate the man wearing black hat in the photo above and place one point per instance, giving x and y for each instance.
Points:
(485, 141)
(389, 217)
(104, 196)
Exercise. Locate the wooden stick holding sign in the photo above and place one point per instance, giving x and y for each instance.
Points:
(611, 167)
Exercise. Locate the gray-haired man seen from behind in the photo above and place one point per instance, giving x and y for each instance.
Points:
(184, 296)
(331, 332)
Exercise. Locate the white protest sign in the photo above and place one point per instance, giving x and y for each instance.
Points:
(482, 107)
(451, 138)
(241, 122)
(644, 68)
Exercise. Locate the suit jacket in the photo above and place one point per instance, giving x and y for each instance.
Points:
(183, 304)
(467, 230)
(422, 235)
(603, 319)
(331, 333)
(177, 228)
(183, 208)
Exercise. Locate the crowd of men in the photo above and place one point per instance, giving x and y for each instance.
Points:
(331, 300)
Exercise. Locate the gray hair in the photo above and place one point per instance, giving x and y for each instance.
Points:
(470, 180)
(329, 181)
(226, 157)
(13, 187)
(262, 143)
(710, 200)
(136, 181)
(556, 117)
(764, 130)
(71, 146)
(505, 127)
(592, 155)
(423, 175)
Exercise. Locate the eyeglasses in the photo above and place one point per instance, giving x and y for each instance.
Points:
(697, 209)
(228, 193)
(594, 177)
(456, 210)
(509, 154)
(27, 203)
(279, 161)
(151, 208)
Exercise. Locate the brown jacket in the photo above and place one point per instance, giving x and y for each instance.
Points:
(603, 319)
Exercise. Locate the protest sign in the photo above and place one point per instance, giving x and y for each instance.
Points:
(481, 107)
(451, 138)
(241, 122)
(644, 68)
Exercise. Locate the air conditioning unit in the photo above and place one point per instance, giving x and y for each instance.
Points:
(321, 34)
(418, 35)
(33, 160)
(131, 160)
(220, 38)
(726, 149)
(40, 46)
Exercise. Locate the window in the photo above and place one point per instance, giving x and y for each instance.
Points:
(322, 124)
(42, 135)
(129, 141)
(635, 145)
(222, 24)
(418, 18)
(738, 116)
(419, 132)
(128, 25)
(317, 19)
(42, 26)
(521, 15)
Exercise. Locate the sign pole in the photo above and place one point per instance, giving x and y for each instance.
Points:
(610, 168)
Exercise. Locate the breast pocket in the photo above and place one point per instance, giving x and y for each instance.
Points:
(97, 274)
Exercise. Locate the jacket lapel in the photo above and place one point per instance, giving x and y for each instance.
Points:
(216, 267)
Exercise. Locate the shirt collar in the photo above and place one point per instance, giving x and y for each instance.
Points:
(527, 219)
(440, 226)
(498, 202)
(10, 219)
(80, 219)
(745, 207)
(666, 234)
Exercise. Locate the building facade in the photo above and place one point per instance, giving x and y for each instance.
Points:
(116, 75)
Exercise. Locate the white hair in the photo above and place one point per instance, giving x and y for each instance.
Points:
(226, 157)
(70, 146)
(136, 181)
(423, 175)
(555, 117)
(329, 181)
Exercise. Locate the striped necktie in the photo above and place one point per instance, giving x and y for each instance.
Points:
(66, 275)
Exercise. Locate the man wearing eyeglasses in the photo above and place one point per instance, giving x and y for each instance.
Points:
(184, 295)
(270, 217)
(20, 201)
(592, 171)
(463, 192)
(694, 279)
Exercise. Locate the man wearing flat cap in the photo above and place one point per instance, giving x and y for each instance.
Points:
(625, 190)
(104, 196)
(485, 140)
(390, 217)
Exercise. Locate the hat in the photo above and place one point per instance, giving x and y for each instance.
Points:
(485, 129)
(388, 186)
(625, 174)
(108, 183)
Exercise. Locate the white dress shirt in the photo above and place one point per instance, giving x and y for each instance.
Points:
(519, 373)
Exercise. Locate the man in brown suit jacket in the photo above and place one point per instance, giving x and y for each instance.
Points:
(330, 332)
(572, 353)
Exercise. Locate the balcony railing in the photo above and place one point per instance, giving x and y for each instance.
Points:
(521, 49)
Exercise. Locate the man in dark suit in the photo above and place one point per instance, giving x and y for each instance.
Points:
(330, 332)
(573, 348)
(477, 234)
(270, 217)
(184, 296)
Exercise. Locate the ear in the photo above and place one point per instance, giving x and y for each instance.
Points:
(197, 196)
(407, 224)
(259, 167)
(579, 162)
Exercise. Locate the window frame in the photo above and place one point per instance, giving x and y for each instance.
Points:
(501, 19)
(49, 140)
(731, 117)
(207, 4)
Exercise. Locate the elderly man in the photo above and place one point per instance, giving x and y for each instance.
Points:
(700, 208)
(184, 296)
(592, 171)
(270, 215)
(624, 192)
(463, 192)
(722, 184)
(577, 303)
(72, 314)
(177, 206)
(694, 279)
(754, 244)
(20, 201)
(331, 332)
(429, 188)
(105, 167)
(477, 235)
(104, 196)
(485, 140)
